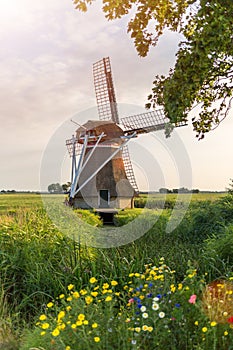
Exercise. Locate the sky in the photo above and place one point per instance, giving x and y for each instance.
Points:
(47, 52)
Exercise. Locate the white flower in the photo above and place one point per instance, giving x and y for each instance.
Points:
(155, 299)
(155, 306)
(145, 315)
(161, 314)
(143, 308)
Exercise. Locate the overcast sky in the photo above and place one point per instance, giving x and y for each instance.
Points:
(47, 52)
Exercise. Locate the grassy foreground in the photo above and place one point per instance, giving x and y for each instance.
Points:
(163, 290)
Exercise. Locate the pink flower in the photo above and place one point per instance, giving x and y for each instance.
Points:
(192, 299)
(131, 300)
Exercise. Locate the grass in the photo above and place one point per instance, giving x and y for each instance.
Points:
(38, 263)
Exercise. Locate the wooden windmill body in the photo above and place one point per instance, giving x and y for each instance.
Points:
(103, 175)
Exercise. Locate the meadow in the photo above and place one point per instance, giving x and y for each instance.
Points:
(163, 290)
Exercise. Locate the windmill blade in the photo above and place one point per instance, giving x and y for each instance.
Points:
(129, 168)
(73, 147)
(104, 89)
(146, 122)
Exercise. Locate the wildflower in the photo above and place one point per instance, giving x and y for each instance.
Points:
(145, 328)
(81, 317)
(45, 325)
(55, 332)
(173, 288)
(105, 286)
(204, 329)
(60, 315)
(94, 294)
(70, 286)
(155, 306)
(50, 305)
(150, 329)
(97, 339)
(131, 301)
(92, 280)
(143, 308)
(85, 322)
(42, 333)
(108, 298)
(137, 329)
(155, 299)
(196, 323)
(114, 283)
(78, 323)
(94, 325)
(68, 308)
(76, 295)
(88, 300)
(192, 299)
(145, 315)
(42, 317)
(225, 333)
(68, 347)
(213, 324)
(230, 319)
(180, 286)
(83, 292)
(61, 296)
(69, 298)
(161, 314)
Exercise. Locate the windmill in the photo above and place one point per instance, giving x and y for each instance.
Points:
(103, 176)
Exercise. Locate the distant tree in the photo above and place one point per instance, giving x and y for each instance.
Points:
(55, 188)
(230, 188)
(196, 190)
(203, 72)
(175, 190)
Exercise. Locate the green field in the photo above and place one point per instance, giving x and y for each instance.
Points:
(151, 293)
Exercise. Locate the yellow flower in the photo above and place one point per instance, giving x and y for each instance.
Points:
(85, 322)
(81, 317)
(69, 298)
(117, 294)
(42, 333)
(61, 296)
(145, 328)
(137, 329)
(73, 326)
(76, 295)
(88, 300)
(105, 286)
(213, 324)
(62, 326)
(92, 280)
(60, 315)
(55, 332)
(114, 283)
(42, 317)
(78, 323)
(94, 325)
(150, 329)
(50, 305)
(68, 308)
(83, 291)
(180, 286)
(97, 339)
(70, 286)
(68, 348)
(94, 294)
(204, 329)
(225, 333)
(45, 326)
(173, 288)
(108, 298)
(196, 323)
(137, 274)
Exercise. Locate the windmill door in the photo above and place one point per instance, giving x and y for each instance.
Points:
(104, 198)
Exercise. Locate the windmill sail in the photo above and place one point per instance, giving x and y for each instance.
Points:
(129, 168)
(104, 89)
(146, 122)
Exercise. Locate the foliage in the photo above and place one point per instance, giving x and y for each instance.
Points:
(55, 188)
(203, 70)
(151, 310)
